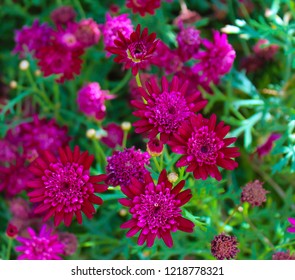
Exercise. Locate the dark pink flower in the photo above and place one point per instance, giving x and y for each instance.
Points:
(224, 247)
(40, 135)
(13, 178)
(283, 256)
(63, 186)
(114, 135)
(70, 242)
(114, 25)
(166, 58)
(254, 193)
(186, 17)
(87, 33)
(8, 152)
(11, 230)
(265, 148)
(57, 59)
(91, 100)
(143, 6)
(155, 147)
(189, 42)
(122, 166)
(203, 146)
(31, 39)
(165, 109)
(263, 49)
(135, 52)
(215, 61)
(67, 38)
(155, 209)
(63, 15)
(292, 222)
(19, 208)
(42, 246)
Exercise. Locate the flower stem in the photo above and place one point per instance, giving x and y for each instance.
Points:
(229, 217)
(137, 77)
(99, 151)
(157, 164)
(10, 241)
(80, 8)
(124, 139)
(122, 83)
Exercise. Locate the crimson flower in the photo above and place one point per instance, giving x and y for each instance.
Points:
(155, 209)
(143, 6)
(202, 144)
(136, 51)
(63, 186)
(165, 109)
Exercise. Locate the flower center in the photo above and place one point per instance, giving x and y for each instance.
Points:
(169, 111)
(204, 145)
(66, 185)
(136, 52)
(69, 39)
(156, 210)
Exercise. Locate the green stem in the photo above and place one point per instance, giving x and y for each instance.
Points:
(124, 139)
(229, 217)
(122, 83)
(157, 164)
(10, 241)
(101, 156)
(137, 77)
(80, 8)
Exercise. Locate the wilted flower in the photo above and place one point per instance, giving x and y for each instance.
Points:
(203, 146)
(254, 193)
(224, 247)
(63, 186)
(63, 15)
(87, 32)
(69, 241)
(283, 256)
(155, 209)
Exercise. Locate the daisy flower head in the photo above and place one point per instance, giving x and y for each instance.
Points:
(123, 165)
(155, 209)
(42, 246)
(165, 109)
(135, 52)
(203, 146)
(63, 186)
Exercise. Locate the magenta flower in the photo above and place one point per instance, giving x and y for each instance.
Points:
(155, 209)
(87, 33)
(13, 179)
(31, 39)
(91, 100)
(136, 51)
(292, 222)
(166, 58)
(57, 59)
(40, 135)
(8, 152)
(67, 38)
(254, 193)
(114, 135)
(63, 15)
(224, 247)
(143, 6)
(216, 60)
(122, 166)
(63, 186)
(164, 110)
(114, 25)
(11, 230)
(70, 242)
(42, 246)
(203, 146)
(189, 42)
(265, 148)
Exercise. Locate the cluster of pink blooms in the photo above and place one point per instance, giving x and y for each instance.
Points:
(58, 180)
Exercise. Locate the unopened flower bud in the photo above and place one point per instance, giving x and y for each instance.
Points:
(172, 177)
(13, 84)
(126, 126)
(11, 231)
(24, 65)
(37, 73)
(123, 212)
(155, 147)
(90, 133)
